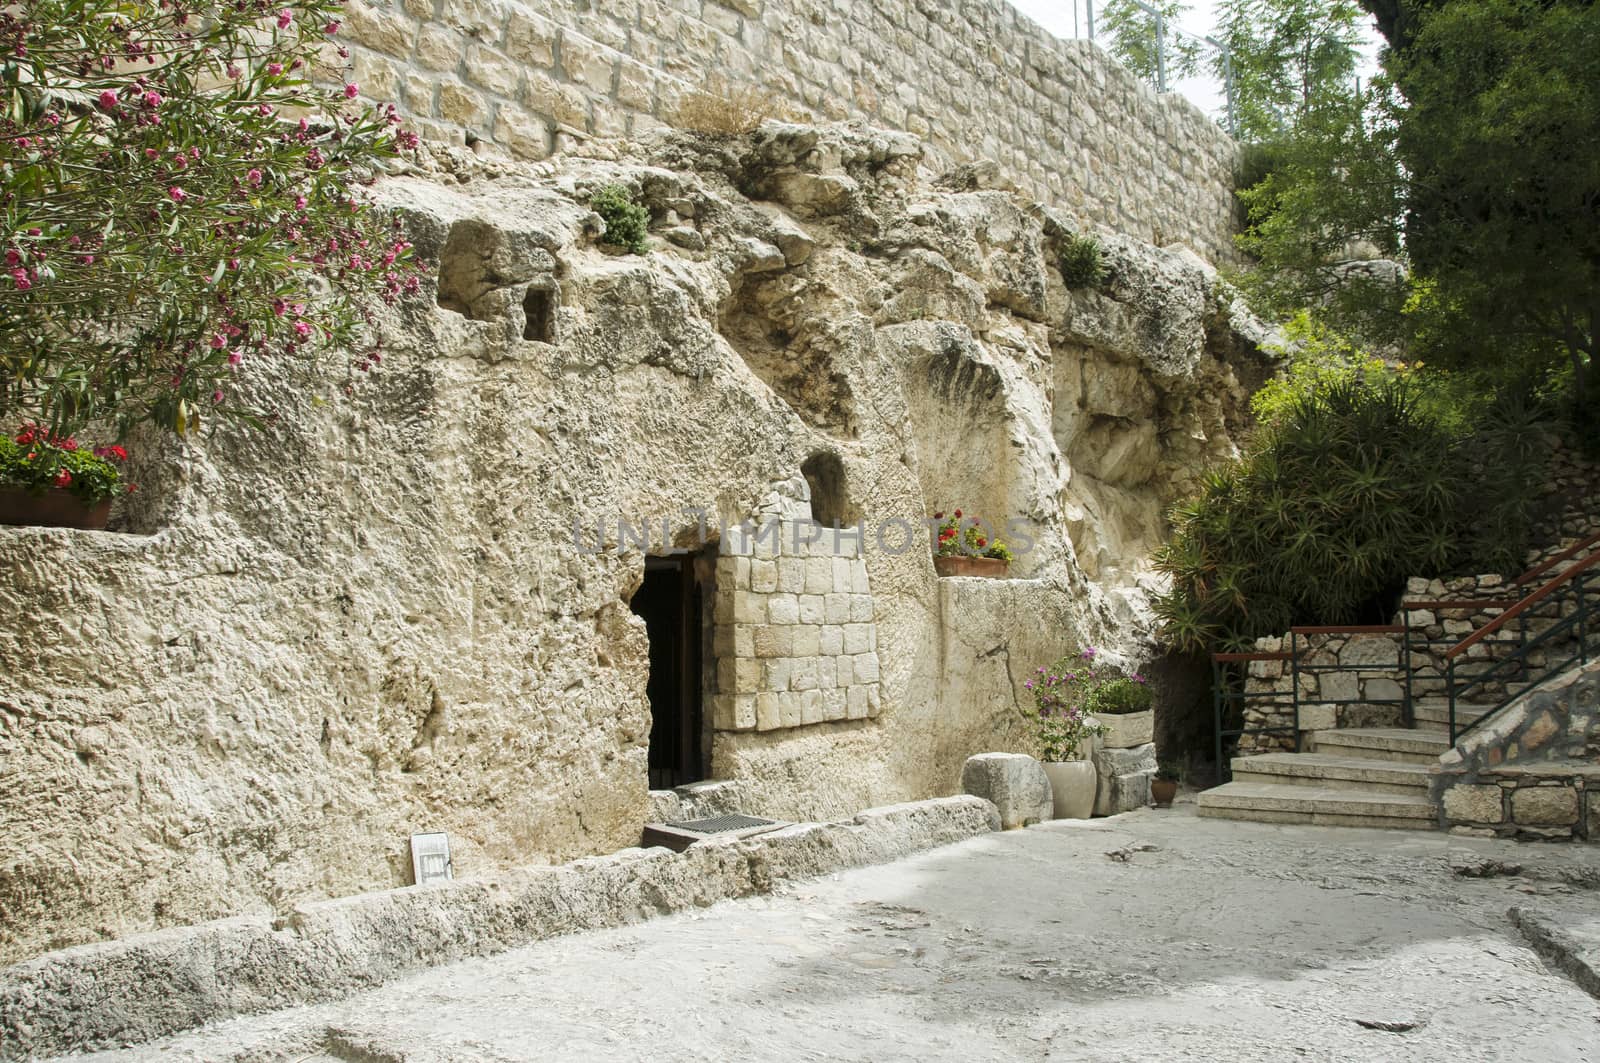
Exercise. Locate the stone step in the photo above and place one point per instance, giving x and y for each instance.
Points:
(1433, 714)
(1382, 743)
(1275, 803)
(1330, 772)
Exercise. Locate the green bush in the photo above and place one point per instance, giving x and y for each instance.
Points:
(1356, 484)
(1120, 696)
(1082, 263)
(627, 220)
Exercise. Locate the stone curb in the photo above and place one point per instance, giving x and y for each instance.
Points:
(134, 990)
(1549, 940)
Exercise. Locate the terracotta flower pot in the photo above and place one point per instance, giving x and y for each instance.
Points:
(1162, 791)
(55, 508)
(962, 565)
(1072, 785)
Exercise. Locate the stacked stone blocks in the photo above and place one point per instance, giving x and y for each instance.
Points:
(975, 80)
(794, 635)
(1533, 771)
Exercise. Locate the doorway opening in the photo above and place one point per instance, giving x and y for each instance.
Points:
(673, 601)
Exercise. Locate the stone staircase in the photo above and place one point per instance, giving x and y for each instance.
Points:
(1350, 777)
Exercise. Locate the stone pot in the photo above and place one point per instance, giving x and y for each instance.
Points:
(1073, 785)
(54, 508)
(962, 565)
(1162, 791)
(1127, 730)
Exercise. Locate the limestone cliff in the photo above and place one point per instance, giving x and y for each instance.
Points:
(371, 617)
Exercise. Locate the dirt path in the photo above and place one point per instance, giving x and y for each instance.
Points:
(1227, 941)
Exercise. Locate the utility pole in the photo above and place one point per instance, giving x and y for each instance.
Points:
(1161, 44)
(1227, 81)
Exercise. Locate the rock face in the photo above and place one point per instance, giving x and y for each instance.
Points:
(1014, 782)
(406, 607)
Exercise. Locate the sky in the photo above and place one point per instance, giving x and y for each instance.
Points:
(1057, 16)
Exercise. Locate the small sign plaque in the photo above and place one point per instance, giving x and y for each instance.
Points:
(430, 858)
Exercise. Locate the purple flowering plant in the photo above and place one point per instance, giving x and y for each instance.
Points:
(1062, 710)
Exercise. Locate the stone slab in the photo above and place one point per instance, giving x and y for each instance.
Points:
(1014, 782)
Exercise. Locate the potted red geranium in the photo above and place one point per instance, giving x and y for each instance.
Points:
(47, 480)
(964, 548)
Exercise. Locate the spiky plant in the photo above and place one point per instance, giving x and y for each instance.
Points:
(1354, 488)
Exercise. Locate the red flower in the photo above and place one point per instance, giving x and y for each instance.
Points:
(63, 478)
(958, 514)
(982, 541)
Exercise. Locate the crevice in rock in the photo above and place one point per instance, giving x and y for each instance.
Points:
(762, 321)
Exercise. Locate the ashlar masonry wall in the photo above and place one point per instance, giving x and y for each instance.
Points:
(975, 79)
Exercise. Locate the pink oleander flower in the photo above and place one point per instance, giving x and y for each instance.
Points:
(285, 16)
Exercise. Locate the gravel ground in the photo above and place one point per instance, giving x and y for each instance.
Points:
(1226, 941)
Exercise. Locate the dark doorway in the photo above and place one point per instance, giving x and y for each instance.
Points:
(670, 601)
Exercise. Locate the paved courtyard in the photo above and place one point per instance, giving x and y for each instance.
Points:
(1226, 941)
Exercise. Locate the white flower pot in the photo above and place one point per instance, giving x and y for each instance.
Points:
(1128, 730)
(1072, 783)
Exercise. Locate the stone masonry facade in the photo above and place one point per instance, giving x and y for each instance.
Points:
(1531, 772)
(973, 78)
(795, 639)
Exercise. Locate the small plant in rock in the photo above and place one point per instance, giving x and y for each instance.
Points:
(967, 536)
(627, 220)
(1120, 696)
(1082, 262)
(36, 461)
(1061, 711)
(718, 108)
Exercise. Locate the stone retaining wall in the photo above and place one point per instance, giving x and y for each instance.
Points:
(1330, 698)
(975, 79)
(105, 995)
(1531, 772)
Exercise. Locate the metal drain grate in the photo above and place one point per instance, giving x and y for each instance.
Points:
(684, 833)
(722, 824)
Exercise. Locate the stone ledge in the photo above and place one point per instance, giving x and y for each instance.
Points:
(129, 991)
(1552, 941)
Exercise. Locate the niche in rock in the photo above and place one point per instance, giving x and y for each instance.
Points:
(794, 354)
(489, 275)
(824, 474)
(962, 429)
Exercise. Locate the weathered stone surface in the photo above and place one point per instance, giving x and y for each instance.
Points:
(98, 996)
(1545, 805)
(1474, 804)
(389, 627)
(1124, 778)
(1014, 782)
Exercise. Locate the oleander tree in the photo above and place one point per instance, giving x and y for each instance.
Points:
(179, 194)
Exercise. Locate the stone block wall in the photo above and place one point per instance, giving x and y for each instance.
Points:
(1531, 772)
(795, 639)
(975, 79)
(1473, 601)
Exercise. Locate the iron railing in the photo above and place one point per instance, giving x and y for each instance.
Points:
(1543, 633)
(1560, 644)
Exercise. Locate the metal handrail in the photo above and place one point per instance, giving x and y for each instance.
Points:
(1579, 620)
(1576, 575)
(1566, 555)
(1522, 606)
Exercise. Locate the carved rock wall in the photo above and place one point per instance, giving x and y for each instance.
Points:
(373, 617)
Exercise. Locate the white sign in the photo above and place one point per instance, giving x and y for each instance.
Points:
(430, 858)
